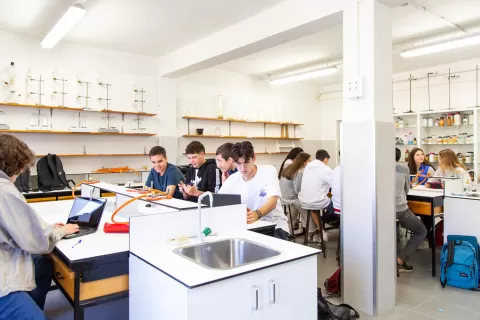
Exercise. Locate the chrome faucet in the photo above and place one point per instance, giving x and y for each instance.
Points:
(209, 194)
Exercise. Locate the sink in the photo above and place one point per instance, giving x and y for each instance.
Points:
(226, 254)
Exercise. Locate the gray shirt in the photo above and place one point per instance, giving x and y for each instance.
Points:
(402, 186)
(291, 188)
(22, 233)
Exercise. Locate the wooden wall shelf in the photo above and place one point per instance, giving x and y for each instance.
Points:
(34, 106)
(242, 121)
(82, 133)
(237, 137)
(260, 153)
(97, 155)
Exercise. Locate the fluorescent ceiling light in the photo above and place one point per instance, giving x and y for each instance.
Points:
(305, 76)
(65, 24)
(443, 46)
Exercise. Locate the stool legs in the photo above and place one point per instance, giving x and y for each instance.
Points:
(307, 226)
(322, 242)
(285, 207)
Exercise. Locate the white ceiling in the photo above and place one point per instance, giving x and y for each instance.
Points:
(148, 27)
(409, 24)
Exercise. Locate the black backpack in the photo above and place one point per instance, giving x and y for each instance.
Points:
(51, 175)
(329, 311)
(22, 182)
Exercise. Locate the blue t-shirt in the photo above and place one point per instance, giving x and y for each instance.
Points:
(171, 177)
(230, 172)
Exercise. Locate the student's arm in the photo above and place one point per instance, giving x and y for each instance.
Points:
(214, 178)
(25, 227)
(328, 176)
(273, 194)
(148, 183)
(406, 186)
(297, 182)
(173, 179)
(271, 203)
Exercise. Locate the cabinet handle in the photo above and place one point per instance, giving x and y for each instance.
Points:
(255, 308)
(274, 291)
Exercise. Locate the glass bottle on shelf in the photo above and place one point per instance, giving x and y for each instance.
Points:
(449, 120)
(424, 122)
(407, 153)
(401, 123)
(410, 138)
(415, 141)
(441, 123)
(465, 119)
(457, 119)
(431, 122)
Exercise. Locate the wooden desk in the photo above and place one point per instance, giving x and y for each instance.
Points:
(427, 203)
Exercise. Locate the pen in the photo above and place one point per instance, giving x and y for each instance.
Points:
(79, 241)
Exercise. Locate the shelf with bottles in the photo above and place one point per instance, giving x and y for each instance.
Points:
(448, 119)
(451, 140)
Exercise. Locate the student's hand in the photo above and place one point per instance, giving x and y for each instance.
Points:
(191, 190)
(181, 187)
(58, 225)
(252, 216)
(70, 229)
(427, 185)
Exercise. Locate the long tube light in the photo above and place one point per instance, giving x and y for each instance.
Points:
(65, 24)
(305, 76)
(443, 46)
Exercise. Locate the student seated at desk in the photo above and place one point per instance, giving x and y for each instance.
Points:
(202, 175)
(258, 187)
(25, 275)
(225, 162)
(316, 184)
(291, 156)
(449, 166)
(418, 165)
(163, 176)
(290, 185)
(405, 217)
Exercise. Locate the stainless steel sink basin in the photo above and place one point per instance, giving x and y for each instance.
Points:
(226, 254)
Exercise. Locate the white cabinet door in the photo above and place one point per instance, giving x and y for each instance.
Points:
(232, 299)
(291, 290)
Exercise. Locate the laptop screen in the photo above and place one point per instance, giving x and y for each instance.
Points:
(87, 212)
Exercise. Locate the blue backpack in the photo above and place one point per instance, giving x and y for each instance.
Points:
(459, 262)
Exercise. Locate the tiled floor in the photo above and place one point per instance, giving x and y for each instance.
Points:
(419, 296)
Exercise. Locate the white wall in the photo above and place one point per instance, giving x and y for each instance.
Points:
(122, 70)
(463, 93)
(246, 98)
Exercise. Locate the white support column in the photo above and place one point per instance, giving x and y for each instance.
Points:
(368, 162)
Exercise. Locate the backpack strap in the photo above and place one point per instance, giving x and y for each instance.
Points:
(451, 252)
(60, 177)
(51, 165)
(356, 315)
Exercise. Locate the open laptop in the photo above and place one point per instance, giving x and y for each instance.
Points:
(87, 213)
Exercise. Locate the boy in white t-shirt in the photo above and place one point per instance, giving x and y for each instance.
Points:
(258, 187)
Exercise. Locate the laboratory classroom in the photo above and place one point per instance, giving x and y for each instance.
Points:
(227, 159)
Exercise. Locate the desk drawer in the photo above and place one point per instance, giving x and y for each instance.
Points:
(88, 290)
(64, 276)
(423, 208)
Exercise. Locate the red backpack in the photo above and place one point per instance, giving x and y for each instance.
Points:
(332, 284)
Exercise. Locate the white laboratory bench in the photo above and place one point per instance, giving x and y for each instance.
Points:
(96, 270)
(462, 215)
(165, 285)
